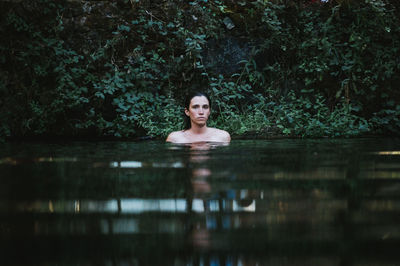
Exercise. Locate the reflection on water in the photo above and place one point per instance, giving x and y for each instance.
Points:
(277, 202)
(134, 206)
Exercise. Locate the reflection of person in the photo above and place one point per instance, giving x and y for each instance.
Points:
(197, 111)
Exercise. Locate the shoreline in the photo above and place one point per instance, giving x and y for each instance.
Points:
(58, 139)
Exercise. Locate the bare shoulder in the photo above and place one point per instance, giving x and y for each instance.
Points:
(176, 137)
(221, 135)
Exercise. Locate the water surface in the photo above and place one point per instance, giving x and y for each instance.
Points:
(253, 202)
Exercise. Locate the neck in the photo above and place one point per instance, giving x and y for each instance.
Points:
(196, 129)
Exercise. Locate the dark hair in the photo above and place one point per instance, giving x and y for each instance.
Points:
(186, 124)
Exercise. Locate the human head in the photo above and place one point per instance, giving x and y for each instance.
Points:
(188, 99)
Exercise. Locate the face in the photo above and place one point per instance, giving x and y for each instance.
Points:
(199, 110)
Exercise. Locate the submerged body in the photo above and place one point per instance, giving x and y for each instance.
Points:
(197, 111)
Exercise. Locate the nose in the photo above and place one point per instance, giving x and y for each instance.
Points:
(201, 110)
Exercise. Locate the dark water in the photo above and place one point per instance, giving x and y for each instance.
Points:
(276, 202)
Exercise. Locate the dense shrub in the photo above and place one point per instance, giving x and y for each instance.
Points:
(121, 68)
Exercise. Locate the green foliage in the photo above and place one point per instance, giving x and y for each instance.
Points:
(314, 69)
(162, 117)
(302, 117)
(387, 119)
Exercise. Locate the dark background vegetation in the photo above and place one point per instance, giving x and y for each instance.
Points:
(121, 68)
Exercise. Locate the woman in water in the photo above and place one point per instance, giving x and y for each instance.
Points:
(197, 111)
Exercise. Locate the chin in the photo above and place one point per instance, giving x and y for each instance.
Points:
(201, 124)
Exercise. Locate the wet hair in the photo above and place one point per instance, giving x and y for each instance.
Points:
(186, 123)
